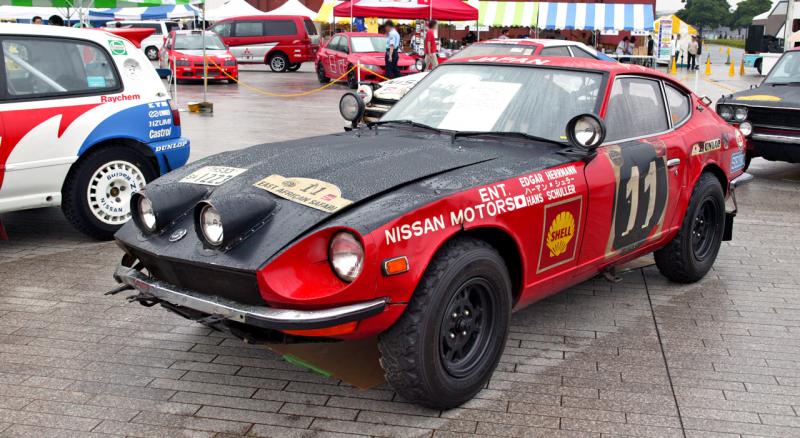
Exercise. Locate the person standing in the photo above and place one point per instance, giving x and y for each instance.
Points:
(392, 50)
(622, 50)
(693, 49)
(651, 49)
(431, 58)
(470, 37)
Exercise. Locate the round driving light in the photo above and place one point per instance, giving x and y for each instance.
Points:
(211, 225)
(725, 112)
(746, 128)
(147, 217)
(586, 131)
(352, 108)
(740, 114)
(346, 256)
(365, 93)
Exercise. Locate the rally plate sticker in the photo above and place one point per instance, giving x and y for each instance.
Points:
(309, 192)
(212, 175)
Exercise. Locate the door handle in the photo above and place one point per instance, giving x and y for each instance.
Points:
(673, 162)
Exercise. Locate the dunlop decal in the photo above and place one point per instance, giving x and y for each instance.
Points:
(562, 223)
(306, 191)
(706, 146)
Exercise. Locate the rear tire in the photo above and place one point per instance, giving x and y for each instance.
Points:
(293, 67)
(96, 194)
(278, 63)
(691, 254)
(446, 345)
(321, 77)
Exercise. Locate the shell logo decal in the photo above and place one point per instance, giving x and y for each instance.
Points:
(561, 231)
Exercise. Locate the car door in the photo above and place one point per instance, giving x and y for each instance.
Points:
(632, 188)
(332, 55)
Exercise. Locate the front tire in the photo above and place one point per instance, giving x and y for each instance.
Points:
(321, 76)
(446, 345)
(690, 255)
(278, 63)
(352, 79)
(96, 194)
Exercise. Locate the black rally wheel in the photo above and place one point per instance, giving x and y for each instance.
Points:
(96, 194)
(278, 63)
(690, 255)
(352, 79)
(444, 348)
(321, 77)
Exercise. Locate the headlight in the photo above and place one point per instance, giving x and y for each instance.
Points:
(230, 63)
(182, 63)
(725, 111)
(210, 223)
(352, 107)
(372, 67)
(746, 128)
(145, 215)
(346, 255)
(740, 114)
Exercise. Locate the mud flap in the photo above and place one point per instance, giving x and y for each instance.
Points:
(727, 234)
(3, 234)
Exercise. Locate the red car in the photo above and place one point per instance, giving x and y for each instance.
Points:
(494, 183)
(183, 53)
(283, 42)
(345, 50)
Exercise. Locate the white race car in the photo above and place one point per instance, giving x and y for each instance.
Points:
(85, 121)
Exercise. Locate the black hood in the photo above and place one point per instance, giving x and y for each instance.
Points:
(767, 95)
(384, 172)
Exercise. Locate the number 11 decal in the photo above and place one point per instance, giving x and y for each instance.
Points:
(640, 196)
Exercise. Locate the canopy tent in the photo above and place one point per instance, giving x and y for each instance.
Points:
(151, 13)
(28, 12)
(492, 13)
(232, 8)
(678, 26)
(595, 16)
(293, 7)
(445, 10)
(325, 14)
(97, 3)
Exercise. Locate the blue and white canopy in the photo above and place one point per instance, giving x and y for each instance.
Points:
(596, 16)
(150, 13)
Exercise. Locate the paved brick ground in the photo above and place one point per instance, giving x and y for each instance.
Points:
(640, 357)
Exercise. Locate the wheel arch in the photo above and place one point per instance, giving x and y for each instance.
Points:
(273, 53)
(719, 174)
(136, 145)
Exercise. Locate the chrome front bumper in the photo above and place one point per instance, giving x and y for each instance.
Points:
(261, 316)
(774, 138)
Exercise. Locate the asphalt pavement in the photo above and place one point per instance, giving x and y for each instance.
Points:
(640, 357)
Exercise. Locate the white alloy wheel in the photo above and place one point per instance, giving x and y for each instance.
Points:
(278, 63)
(110, 189)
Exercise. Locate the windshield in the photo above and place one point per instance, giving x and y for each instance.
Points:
(529, 100)
(787, 70)
(195, 42)
(496, 50)
(368, 44)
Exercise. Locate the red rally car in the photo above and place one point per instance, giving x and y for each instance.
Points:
(345, 50)
(183, 53)
(494, 183)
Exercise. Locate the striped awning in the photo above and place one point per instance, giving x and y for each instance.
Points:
(97, 3)
(151, 13)
(596, 16)
(491, 13)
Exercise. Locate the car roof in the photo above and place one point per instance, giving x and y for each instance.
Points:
(192, 31)
(546, 42)
(97, 35)
(615, 68)
(366, 34)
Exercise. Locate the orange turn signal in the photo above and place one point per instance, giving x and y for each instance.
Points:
(336, 330)
(395, 266)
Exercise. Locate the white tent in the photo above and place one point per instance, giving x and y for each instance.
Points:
(293, 7)
(28, 12)
(232, 8)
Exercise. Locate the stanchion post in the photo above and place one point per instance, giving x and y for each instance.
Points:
(358, 73)
(696, 80)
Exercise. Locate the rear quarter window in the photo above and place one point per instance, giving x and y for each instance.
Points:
(249, 28)
(40, 67)
(310, 28)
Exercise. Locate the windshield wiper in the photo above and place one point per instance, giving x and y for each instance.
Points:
(509, 134)
(408, 123)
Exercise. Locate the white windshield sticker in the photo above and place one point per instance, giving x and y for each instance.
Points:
(212, 175)
(478, 105)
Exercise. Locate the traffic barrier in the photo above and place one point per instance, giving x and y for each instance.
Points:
(708, 66)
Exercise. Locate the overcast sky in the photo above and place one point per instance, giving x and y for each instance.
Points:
(674, 5)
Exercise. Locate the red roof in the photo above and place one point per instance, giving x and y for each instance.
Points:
(446, 10)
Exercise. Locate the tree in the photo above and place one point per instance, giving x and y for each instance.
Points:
(706, 13)
(746, 10)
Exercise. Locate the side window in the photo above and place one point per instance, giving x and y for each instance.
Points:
(310, 28)
(336, 43)
(679, 104)
(48, 67)
(279, 28)
(555, 51)
(222, 29)
(344, 45)
(580, 53)
(249, 28)
(635, 109)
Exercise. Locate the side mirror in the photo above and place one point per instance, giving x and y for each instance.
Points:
(586, 131)
(352, 108)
